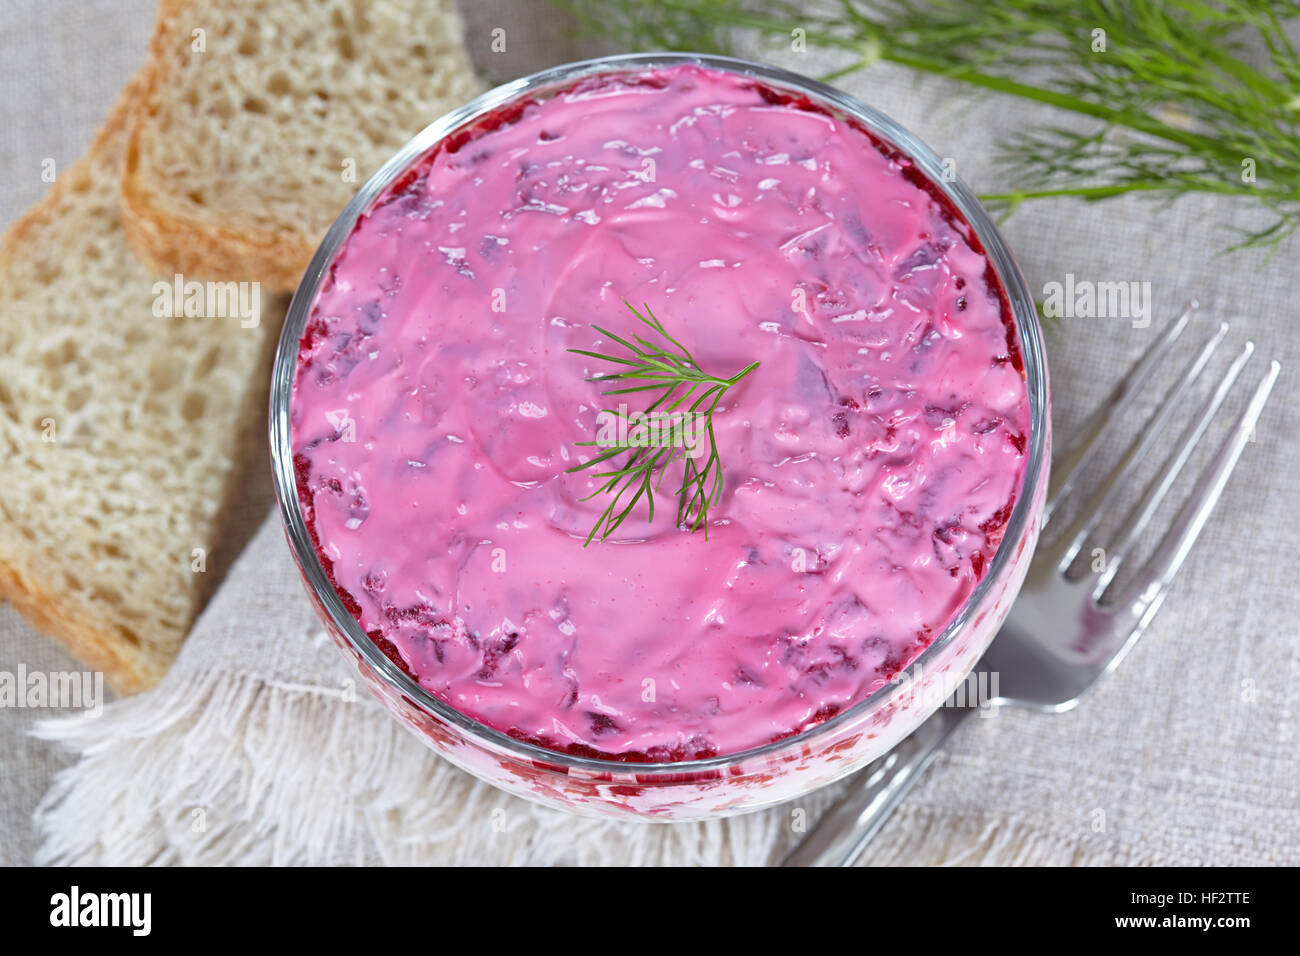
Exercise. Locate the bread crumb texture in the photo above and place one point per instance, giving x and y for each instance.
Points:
(259, 122)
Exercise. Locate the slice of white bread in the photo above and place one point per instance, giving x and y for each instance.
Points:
(120, 428)
(259, 122)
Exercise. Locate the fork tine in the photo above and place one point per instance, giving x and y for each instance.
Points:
(1064, 473)
(1139, 517)
(1145, 595)
(1071, 541)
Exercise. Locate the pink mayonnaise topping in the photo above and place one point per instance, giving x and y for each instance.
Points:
(871, 460)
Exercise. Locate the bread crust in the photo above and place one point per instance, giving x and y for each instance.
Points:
(125, 670)
(75, 175)
(167, 245)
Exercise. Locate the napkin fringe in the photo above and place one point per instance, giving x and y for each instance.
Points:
(218, 769)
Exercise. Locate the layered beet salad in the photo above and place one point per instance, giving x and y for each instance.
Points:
(869, 463)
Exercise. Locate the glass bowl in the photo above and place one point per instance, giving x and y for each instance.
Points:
(733, 782)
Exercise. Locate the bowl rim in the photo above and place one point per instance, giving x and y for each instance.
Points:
(544, 84)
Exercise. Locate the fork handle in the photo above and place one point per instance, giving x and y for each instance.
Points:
(844, 831)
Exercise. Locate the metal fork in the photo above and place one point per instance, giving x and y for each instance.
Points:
(1061, 637)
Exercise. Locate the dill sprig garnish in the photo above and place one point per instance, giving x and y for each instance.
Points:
(1187, 96)
(672, 371)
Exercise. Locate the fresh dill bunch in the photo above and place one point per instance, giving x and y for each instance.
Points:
(1188, 96)
(671, 370)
